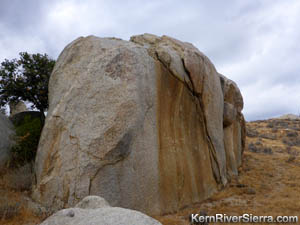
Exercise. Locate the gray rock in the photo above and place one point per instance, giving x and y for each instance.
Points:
(17, 107)
(100, 216)
(92, 202)
(139, 123)
(6, 139)
(99, 135)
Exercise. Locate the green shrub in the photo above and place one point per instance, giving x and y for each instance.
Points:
(28, 134)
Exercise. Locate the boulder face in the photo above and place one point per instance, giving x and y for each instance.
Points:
(6, 139)
(148, 124)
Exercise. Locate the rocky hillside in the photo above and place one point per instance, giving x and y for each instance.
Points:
(269, 178)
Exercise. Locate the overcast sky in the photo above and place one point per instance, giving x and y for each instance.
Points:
(256, 43)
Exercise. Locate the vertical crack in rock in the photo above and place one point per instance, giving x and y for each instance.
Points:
(213, 154)
(192, 89)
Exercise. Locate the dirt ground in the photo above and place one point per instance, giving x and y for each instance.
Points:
(269, 180)
(268, 184)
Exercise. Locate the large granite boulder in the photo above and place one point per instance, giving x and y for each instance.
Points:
(97, 213)
(138, 122)
(7, 133)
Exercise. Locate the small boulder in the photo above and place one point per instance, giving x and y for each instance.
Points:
(6, 139)
(92, 202)
(17, 107)
(95, 210)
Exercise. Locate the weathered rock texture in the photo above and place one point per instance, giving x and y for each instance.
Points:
(95, 210)
(148, 124)
(6, 139)
(234, 125)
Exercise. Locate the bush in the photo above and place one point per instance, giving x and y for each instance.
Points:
(292, 134)
(28, 134)
(253, 148)
(268, 151)
(251, 133)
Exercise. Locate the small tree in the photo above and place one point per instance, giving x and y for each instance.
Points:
(26, 79)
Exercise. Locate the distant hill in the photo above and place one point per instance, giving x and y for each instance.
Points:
(289, 116)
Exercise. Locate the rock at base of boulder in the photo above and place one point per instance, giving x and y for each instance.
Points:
(92, 211)
(92, 202)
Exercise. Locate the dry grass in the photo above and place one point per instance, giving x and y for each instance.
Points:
(18, 179)
(269, 183)
(15, 185)
(13, 210)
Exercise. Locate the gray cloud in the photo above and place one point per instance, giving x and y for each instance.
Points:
(20, 15)
(253, 42)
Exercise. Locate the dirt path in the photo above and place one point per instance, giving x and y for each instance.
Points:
(269, 181)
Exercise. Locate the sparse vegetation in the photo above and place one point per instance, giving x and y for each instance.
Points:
(251, 133)
(9, 211)
(292, 134)
(268, 136)
(19, 179)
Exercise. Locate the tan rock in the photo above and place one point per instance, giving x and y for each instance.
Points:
(230, 114)
(234, 125)
(232, 93)
(139, 123)
(16, 108)
(204, 82)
